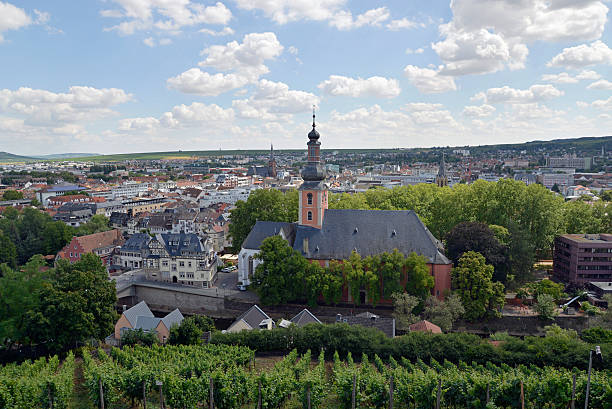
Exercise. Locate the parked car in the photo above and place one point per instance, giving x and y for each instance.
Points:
(229, 269)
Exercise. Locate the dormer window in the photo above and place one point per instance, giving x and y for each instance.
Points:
(309, 198)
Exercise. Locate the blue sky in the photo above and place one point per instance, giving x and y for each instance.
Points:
(111, 76)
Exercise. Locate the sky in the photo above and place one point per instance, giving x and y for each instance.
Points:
(118, 76)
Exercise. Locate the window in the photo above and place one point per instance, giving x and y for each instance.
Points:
(189, 264)
(182, 263)
(173, 267)
(309, 216)
(309, 196)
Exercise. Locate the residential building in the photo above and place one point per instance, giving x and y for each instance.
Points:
(323, 235)
(141, 317)
(56, 190)
(74, 214)
(102, 244)
(253, 318)
(582, 258)
(562, 180)
(145, 204)
(570, 162)
(174, 258)
(526, 178)
(304, 317)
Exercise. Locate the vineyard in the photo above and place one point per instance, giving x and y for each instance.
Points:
(196, 376)
(40, 384)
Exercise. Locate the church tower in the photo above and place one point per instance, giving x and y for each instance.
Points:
(441, 179)
(272, 163)
(313, 193)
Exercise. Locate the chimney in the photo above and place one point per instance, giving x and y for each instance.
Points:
(124, 307)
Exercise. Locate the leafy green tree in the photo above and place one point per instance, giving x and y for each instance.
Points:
(388, 267)
(190, 331)
(420, 281)
(477, 236)
(265, 205)
(472, 280)
(545, 306)
(596, 335)
(443, 313)
(8, 251)
(281, 275)
(604, 319)
(139, 337)
(18, 296)
(403, 309)
(546, 286)
(76, 303)
(12, 195)
(359, 278)
(98, 223)
(55, 236)
(580, 217)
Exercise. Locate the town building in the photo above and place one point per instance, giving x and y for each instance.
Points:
(141, 317)
(173, 258)
(102, 244)
(570, 161)
(582, 258)
(268, 171)
(322, 235)
(74, 214)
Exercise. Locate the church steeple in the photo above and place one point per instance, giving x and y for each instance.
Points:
(313, 192)
(272, 163)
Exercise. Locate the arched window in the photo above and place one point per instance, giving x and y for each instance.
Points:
(309, 196)
(309, 216)
(250, 273)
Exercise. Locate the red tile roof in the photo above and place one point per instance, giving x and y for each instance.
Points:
(425, 326)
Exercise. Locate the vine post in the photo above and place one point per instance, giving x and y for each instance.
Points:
(308, 397)
(522, 396)
(259, 395)
(391, 392)
(439, 393)
(573, 403)
(211, 400)
(354, 391)
(101, 395)
(144, 394)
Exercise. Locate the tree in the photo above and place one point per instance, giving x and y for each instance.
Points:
(76, 303)
(604, 319)
(545, 306)
(139, 337)
(555, 188)
(265, 205)
(359, 278)
(12, 195)
(8, 251)
(403, 306)
(477, 236)
(190, 331)
(420, 281)
(443, 313)
(98, 223)
(546, 286)
(280, 276)
(472, 280)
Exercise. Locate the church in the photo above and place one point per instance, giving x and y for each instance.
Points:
(323, 234)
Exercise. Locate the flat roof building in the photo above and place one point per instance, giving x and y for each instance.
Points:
(582, 258)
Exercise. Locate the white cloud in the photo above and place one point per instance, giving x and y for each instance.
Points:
(478, 111)
(583, 55)
(417, 51)
(183, 116)
(225, 32)
(603, 103)
(293, 50)
(343, 20)
(402, 24)
(588, 75)
(429, 81)
(565, 78)
(601, 84)
(12, 18)
(486, 36)
(477, 52)
(195, 81)
(507, 95)
(165, 15)
(378, 87)
(333, 11)
(149, 42)
(272, 99)
(246, 58)
(422, 106)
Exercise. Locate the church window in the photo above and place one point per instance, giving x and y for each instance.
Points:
(309, 216)
(309, 196)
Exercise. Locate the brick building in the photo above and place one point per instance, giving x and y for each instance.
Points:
(101, 244)
(581, 258)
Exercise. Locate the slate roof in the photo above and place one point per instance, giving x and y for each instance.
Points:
(173, 318)
(139, 310)
(369, 232)
(137, 242)
(252, 317)
(180, 243)
(304, 317)
(264, 229)
(384, 324)
(146, 323)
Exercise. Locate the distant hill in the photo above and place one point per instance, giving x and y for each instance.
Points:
(66, 155)
(9, 157)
